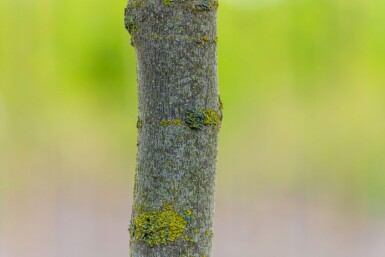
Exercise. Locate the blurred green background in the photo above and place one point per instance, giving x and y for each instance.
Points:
(301, 168)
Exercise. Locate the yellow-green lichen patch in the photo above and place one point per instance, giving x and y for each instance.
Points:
(165, 123)
(198, 119)
(209, 233)
(188, 238)
(205, 39)
(188, 212)
(211, 117)
(158, 227)
(137, 4)
(169, 2)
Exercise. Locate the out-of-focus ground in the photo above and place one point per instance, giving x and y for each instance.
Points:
(301, 167)
(91, 222)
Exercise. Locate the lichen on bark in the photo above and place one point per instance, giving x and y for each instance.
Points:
(158, 227)
(176, 52)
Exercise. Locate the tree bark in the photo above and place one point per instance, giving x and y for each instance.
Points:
(178, 124)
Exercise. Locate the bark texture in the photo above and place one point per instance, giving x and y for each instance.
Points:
(178, 124)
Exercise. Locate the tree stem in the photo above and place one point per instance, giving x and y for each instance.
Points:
(178, 125)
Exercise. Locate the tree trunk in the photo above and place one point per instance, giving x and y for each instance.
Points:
(178, 124)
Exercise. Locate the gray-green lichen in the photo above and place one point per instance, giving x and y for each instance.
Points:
(206, 5)
(194, 119)
(130, 23)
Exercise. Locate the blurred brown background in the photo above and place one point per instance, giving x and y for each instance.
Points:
(301, 169)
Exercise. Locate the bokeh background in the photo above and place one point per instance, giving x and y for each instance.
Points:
(301, 169)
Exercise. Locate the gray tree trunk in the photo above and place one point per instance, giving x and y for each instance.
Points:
(178, 124)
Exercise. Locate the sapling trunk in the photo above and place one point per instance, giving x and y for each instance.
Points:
(178, 124)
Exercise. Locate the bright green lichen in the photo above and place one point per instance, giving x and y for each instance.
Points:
(158, 227)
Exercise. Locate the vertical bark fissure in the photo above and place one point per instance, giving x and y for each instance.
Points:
(178, 125)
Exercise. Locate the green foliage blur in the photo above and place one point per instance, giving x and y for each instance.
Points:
(302, 83)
